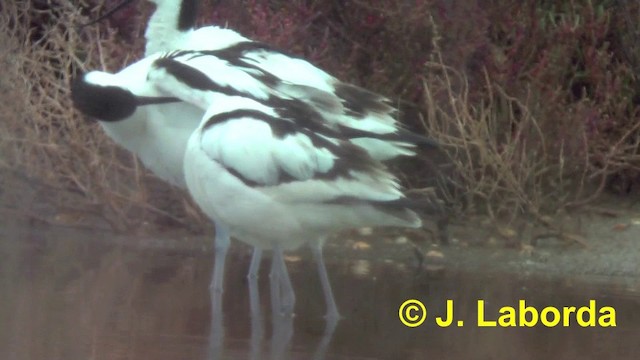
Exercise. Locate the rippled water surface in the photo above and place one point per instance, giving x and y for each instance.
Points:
(70, 294)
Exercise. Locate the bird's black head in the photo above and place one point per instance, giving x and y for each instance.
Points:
(102, 102)
(188, 15)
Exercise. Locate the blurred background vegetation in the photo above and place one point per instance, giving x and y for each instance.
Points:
(536, 102)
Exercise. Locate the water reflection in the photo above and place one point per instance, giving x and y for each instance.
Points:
(76, 295)
(282, 329)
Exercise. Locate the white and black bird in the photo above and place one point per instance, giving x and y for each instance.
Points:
(260, 73)
(278, 184)
(172, 27)
(156, 134)
(334, 159)
(276, 172)
(152, 132)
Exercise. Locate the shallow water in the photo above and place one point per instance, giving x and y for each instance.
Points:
(69, 294)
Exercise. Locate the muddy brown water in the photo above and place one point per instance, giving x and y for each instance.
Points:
(70, 294)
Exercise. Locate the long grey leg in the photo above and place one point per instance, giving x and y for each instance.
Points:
(221, 246)
(257, 322)
(323, 345)
(282, 332)
(254, 268)
(288, 296)
(254, 296)
(216, 337)
(332, 308)
(274, 286)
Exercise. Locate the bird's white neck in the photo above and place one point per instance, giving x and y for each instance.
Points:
(166, 29)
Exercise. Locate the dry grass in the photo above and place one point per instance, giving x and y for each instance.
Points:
(510, 158)
(69, 162)
(499, 151)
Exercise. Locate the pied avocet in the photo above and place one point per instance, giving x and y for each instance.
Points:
(203, 80)
(278, 184)
(274, 169)
(344, 106)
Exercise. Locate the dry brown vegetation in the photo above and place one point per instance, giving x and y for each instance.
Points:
(537, 133)
(535, 103)
(50, 154)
